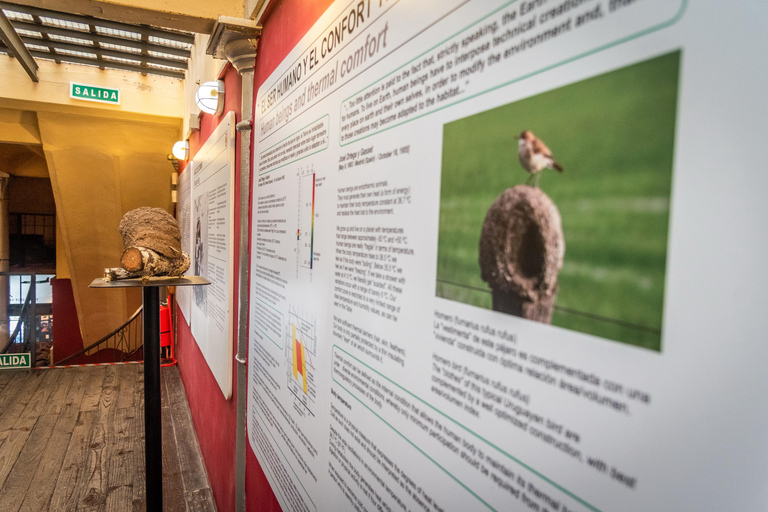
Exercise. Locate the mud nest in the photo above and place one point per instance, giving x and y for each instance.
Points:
(521, 252)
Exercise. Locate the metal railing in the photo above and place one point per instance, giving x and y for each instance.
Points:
(24, 336)
(126, 339)
(26, 327)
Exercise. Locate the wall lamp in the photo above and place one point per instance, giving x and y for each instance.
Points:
(210, 97)
(181, 150)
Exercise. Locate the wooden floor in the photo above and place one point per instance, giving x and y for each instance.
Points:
(73, 439)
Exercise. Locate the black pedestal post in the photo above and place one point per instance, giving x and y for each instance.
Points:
(153, 425)
(153, 441)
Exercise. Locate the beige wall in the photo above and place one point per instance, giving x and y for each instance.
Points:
(62, 265)
(149, 96)
(31, 195)
(101, 168)
(104, 160)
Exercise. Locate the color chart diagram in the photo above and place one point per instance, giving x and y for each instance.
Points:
(300, 352)
(305, 233)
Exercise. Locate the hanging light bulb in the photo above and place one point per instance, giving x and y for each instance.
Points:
(181, 150)
(210, 97)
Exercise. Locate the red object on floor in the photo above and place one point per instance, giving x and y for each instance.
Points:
(165, 326)
(166, 334)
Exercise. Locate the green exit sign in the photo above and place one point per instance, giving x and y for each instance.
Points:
(9, 361)
(94, 93)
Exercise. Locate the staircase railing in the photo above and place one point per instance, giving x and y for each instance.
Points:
(127, 339)
(26, 326)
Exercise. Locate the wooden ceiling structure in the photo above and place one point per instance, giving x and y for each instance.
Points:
(28, 32)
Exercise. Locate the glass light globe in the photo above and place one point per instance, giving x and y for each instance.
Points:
(181, 150)
(210, 97)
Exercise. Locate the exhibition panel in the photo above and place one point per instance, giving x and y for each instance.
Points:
(504, 257)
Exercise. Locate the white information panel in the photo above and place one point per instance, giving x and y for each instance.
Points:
(612, 358)
(212, 232)
(183, 217)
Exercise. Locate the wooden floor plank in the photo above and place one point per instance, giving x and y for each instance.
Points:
(14, 432)
(5, 378)
(127, 376)
(102, 444)
(95, 497)
(191, 463)
(16, 485)
(76, 393)
(35, 405)
(139, 476)
(18, 378)
(93, 387)
(73, 439)
(201, 500)
(120, 464)
(173, 485)
(138, 389)
(42, 485)
(13, 444)
(110, 377)
(71, 481)
(20, 395)
(59, 392)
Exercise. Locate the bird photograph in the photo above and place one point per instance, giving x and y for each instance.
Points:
(535, 156)
(614, 133)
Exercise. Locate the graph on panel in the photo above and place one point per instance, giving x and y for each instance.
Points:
(300, 353)
(305, 232)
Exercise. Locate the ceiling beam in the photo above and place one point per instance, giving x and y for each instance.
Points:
(179, 64)
(172, 73)
(85, 20)
(187, 15)
(87, 36)
(16, 47)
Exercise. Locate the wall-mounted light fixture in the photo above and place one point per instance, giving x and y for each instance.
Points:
(174, 191)
(174, 178)
(194, 123)
(210, 97)
(181, 150)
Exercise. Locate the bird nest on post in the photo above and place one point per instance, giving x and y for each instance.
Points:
(521, 252)
(151, 246)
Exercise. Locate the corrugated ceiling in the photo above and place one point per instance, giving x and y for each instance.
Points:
(89, 41)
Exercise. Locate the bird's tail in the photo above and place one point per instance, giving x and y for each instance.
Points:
(557, 166)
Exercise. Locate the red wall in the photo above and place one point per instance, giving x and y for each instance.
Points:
(67, 338)
(285, 23)
(212, 415)
(66, 328)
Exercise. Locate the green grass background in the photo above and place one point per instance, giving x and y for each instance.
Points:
(614, 135)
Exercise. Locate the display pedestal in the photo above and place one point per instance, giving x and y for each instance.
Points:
(153, 436)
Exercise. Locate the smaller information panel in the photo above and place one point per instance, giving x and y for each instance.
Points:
(183, 206)
(210, 211)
